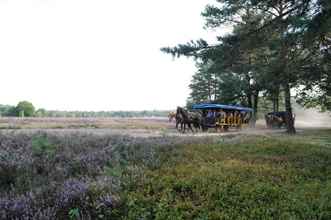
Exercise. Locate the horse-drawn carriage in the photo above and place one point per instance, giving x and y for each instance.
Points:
(223, 117)
(218, 116)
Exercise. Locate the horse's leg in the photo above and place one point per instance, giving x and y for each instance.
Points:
(179, 122)
(196, 126)
(190, 127)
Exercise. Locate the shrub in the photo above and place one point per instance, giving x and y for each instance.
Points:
(26, 108)
(41, 147)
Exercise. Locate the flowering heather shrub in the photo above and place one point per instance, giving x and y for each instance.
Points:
(90, 164)
(16, 207)
(14, 165)
(45, 214)
(8, 169)
(45, 174)
(108, 176)
(71, 195)
(106, 201)
(105, 206)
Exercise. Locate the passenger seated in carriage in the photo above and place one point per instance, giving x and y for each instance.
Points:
(221, 116)
(211, 117)
(209, 114)
(245, 116)
(229, 117)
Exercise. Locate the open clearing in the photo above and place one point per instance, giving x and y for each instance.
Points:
(145, 169)
(136, 127)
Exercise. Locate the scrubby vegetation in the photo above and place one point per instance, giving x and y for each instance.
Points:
(84, 123)
(70, 175)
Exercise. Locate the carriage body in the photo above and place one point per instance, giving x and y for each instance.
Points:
(223, 117)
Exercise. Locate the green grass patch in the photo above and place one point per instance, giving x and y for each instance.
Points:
(245, 178)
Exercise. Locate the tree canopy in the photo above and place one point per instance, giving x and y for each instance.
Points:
(25, 108)
(275, 46)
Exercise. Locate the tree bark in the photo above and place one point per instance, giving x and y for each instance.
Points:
(288, 107)
(249, 92)
(276, 100)
(285, 73)
(255, 100)
(249, 100)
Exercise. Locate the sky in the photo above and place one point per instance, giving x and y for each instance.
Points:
(94, 55)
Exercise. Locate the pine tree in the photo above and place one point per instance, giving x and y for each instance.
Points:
(275, 46)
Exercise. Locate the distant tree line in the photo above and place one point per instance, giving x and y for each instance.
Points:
(23, 109)
(87, 114)
(26, 109)
(275, 47)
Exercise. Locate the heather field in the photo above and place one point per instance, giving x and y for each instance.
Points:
(140, 169)
(72, 123)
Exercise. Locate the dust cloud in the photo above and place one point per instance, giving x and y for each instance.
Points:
(308, 118)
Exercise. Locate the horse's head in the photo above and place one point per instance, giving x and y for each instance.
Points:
(184, 114)
(179, 110)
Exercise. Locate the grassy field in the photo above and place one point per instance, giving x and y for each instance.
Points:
(54, 174)
(275, 177)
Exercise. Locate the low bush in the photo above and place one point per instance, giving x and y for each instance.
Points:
(248, 178)
(72, 175)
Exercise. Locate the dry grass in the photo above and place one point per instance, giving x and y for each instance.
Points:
(62, 123)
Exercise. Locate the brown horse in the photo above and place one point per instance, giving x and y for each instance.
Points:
(178, 119)
(185, 119)
(171, 116)
(196, 120)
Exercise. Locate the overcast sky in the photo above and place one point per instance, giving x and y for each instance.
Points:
(97, 54)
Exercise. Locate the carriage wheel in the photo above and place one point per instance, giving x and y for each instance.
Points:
(226, 127)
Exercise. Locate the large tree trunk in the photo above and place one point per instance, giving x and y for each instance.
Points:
(249, 92)
(285, 72)
(250, 105)
(288, 107)
(249, 100)
(275, 100)
(255, 106)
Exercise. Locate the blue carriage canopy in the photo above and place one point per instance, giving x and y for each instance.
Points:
(221, 106)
